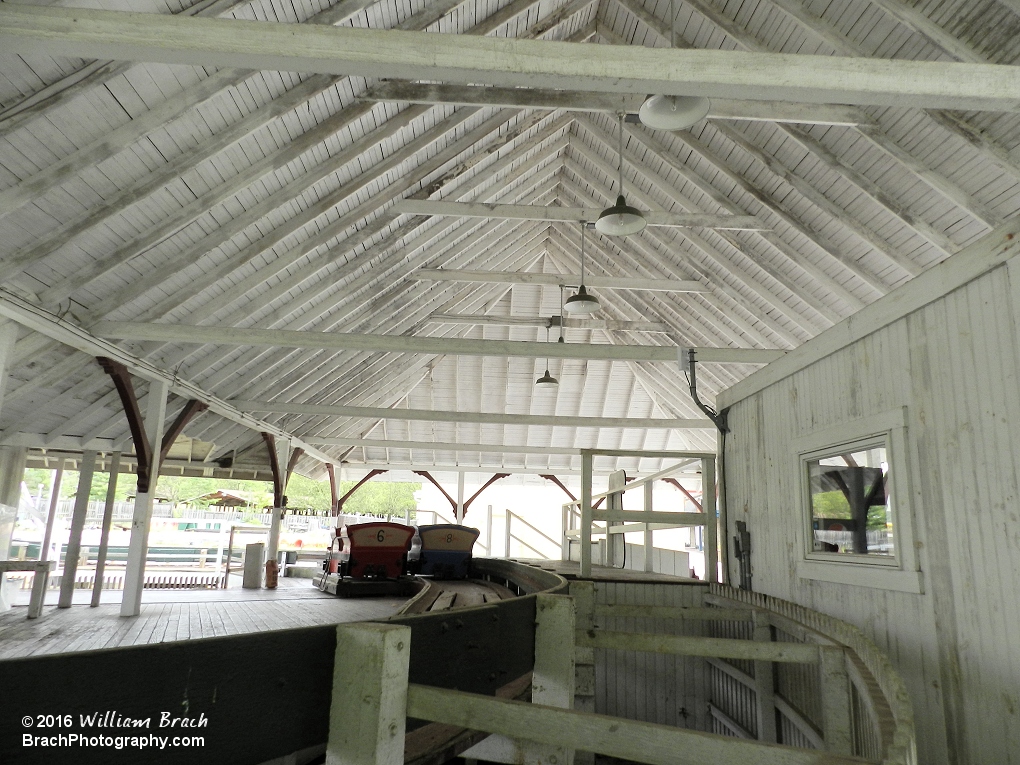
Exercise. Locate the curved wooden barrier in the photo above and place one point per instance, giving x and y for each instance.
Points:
(261, 695)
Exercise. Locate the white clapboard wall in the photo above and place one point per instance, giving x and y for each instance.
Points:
(953, 364)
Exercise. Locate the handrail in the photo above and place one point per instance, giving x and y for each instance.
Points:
(901, 746)
(638, 483)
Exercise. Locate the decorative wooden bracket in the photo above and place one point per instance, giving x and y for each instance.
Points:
(340, 502)
(332, 486)
(676, 483)
(485, 486)
(136, 424)
(559, 483)
(280, 479)
(428, 476)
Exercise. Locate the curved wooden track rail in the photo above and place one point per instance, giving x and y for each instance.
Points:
(265, 695)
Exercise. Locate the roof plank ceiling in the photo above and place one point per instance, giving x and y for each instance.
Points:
(184, 195)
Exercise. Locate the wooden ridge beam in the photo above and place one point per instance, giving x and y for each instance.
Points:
(558, 280)
(552, 321)
(541, 98)
(573, 214)
(189, 334)
(509, 62)
(494, 418)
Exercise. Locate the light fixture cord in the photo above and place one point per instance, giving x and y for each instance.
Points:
(562, 312)
(672, 24)
(583, 226)
(621, 154)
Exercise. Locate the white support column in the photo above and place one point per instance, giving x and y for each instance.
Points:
(506, 546)
(764, 683)
(586, 468)
(138, 547)
(835, 686)
(369, 707)
(649, 563)
(564, 528)
(460, 497)
(104, 538)
(553, 680)
(58, 475)
(81, 508)
(12, 460)
(583, 594)
(708, 504)
(488, 531)
(283, 447)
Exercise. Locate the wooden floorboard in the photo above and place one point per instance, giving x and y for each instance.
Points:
(172, 615)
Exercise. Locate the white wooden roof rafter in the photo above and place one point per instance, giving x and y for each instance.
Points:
(263, 200)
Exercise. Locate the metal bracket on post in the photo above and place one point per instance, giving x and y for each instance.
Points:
(367, 716)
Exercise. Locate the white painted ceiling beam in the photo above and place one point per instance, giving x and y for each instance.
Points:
(35, 318)
(936, 181)
(375, 443)
(726, 300)
(510, 62)
(721, 258)
(552, 321)
(189, 334)
(494, 418)
(558, 280)
(877, 194)
(574, 214)
(538, 98)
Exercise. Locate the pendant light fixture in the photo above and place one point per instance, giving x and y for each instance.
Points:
(620, 219)
(581, 303)
(547, 380)
(673, 112)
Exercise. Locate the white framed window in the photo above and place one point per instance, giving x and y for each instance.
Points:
(856, 521)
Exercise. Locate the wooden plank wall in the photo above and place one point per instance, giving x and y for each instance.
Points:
(954, 365)
(643, 686)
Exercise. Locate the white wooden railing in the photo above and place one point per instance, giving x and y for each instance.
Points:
(372, 696)
(581, 522)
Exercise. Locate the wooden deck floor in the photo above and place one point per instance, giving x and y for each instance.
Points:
(169, 615)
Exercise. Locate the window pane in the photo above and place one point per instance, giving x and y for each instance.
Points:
(850, 511)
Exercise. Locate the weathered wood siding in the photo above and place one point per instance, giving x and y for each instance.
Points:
(954, 365)
(644, 686)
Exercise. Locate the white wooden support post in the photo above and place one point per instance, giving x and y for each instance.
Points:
(764, 683)
(58, 475)
(488, 531)
(564, 528)
(509, 515)
(583, 594)
(835, 685)
(711, 522)
(369, 706)
(586, 470)
(552, 684)
(104, 537)
(81, 508)
(460, 497)
(282, 446)
(138, 547)
(649, 563)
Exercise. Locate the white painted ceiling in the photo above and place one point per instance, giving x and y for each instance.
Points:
(181, 195)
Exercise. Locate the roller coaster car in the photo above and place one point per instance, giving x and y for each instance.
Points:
(372, 561)
(446, 551)
(374, 550)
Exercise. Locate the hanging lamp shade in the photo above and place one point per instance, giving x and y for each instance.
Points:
(582, 303)
(546, 381)
(673, 112)
(620, 220)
